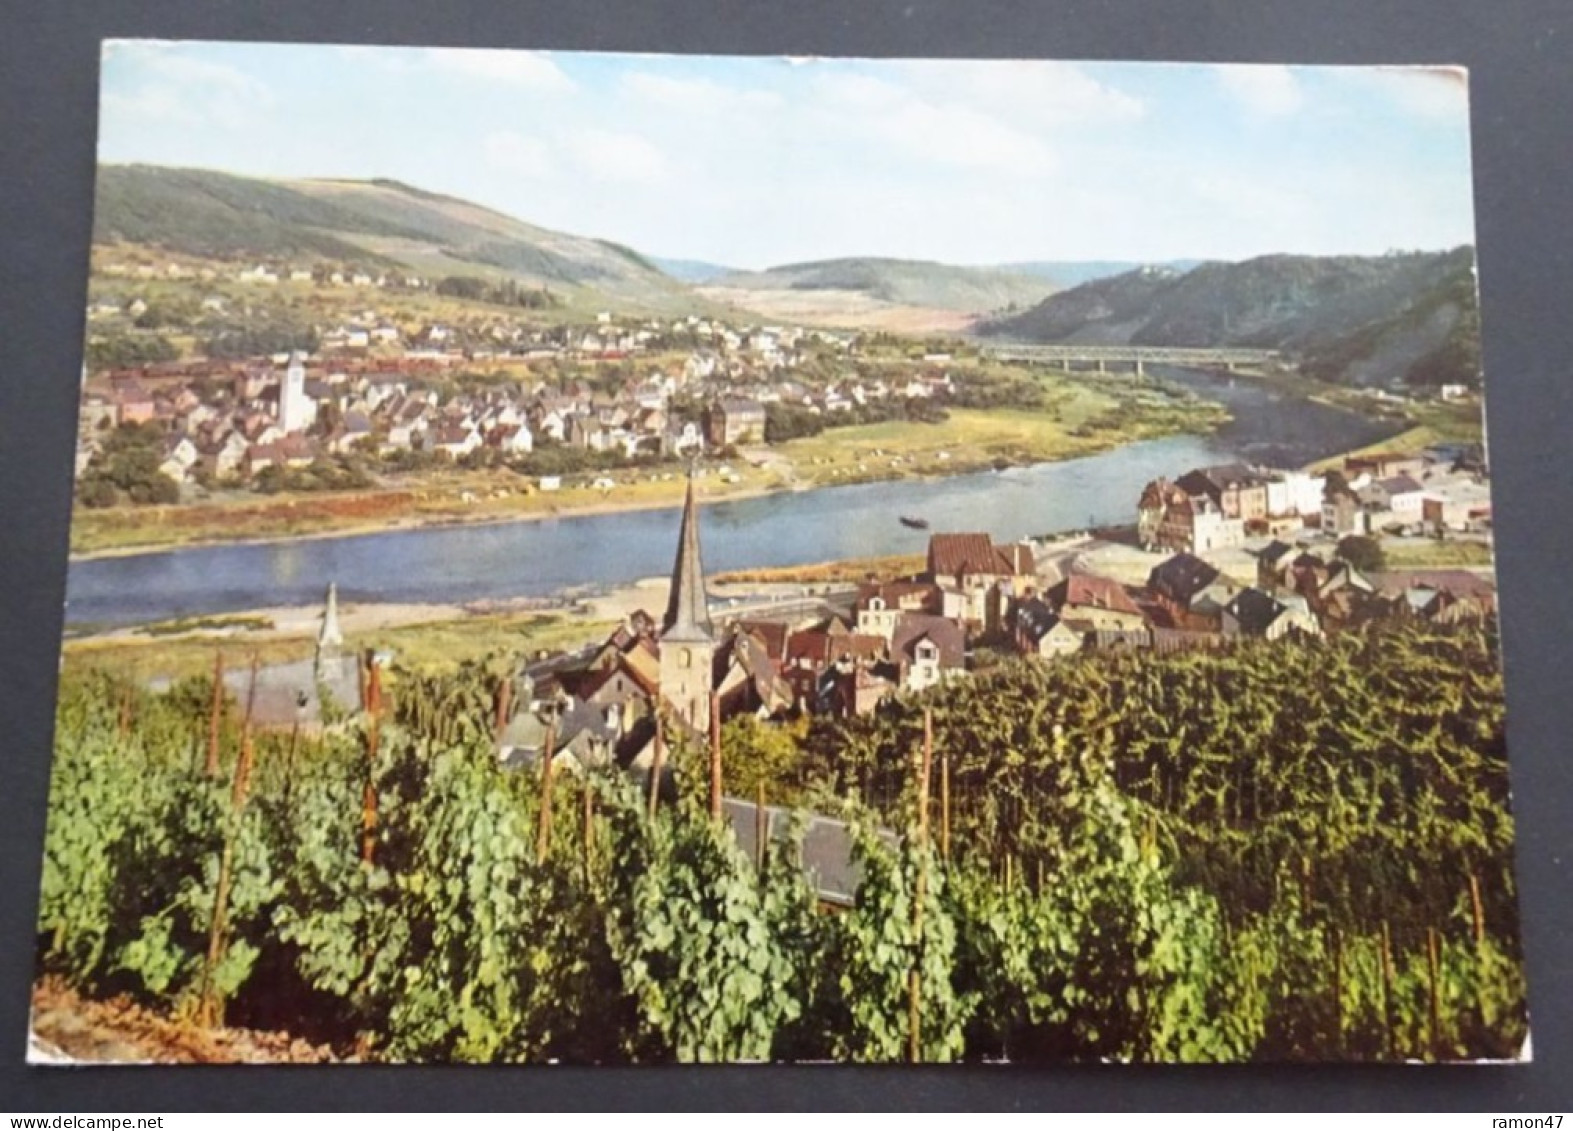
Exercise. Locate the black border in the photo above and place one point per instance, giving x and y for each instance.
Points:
(1517, 52)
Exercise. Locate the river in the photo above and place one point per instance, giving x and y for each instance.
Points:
(538, 557)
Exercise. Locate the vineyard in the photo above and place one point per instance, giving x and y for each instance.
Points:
(1295, 850)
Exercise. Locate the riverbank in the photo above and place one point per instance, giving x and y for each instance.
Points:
(1082, 422)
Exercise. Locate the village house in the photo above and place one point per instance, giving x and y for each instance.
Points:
(1342, 510)
(732, 421)
(1039, 631)
(1089, 603)
(1238, 491)
(1186, 583)
(927, 650)
(1253, 613)
(976, 578)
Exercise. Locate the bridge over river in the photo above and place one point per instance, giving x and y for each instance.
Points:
(1138, 357)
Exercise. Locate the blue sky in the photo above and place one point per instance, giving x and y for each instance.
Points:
(751, 162)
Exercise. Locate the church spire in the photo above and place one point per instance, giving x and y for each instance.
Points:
(687, 608)
(330, 636)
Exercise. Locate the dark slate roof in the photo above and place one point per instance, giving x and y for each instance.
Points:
(1399, 485)
(1182, 577)
(953, 554)
(1254, 610)
(1274, 551)
(1035, 619)
(687, 608)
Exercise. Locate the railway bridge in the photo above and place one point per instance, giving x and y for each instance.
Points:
(1100, 357)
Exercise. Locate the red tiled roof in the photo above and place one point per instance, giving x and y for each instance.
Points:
(953, 554)
(1088, 590)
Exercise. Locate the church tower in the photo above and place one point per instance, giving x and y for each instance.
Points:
(297, 410)
(688, 644)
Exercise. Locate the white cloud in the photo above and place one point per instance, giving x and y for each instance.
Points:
(518, 154)
(697, 96)
(172, 87)
(614, 156)
(1268, 90)
(527, 69)
(931, 131)
(1042, 93)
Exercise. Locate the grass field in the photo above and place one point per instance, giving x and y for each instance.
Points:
(852, 571)
(432, 646)
(1436, 555)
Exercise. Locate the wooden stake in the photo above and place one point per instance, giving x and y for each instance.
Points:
(504, 705)
(251, 693)
(123, 726)
(944, 806)
(1480, 913)
(543, 831)
(210, 1004)
(715, 756)
(368, 804)
(589, 829)
(1434, 966)
(761, 830)
(656, 765)
(215, 714)
(289, 759)
(920, 892)
(1335, 944)
(1387, 989)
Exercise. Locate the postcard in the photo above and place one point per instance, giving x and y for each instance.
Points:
(601, 558)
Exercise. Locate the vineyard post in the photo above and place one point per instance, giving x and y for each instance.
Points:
(215, 713)
(1479, 910)
(124, 724)
(210, 1009)
(656, 760)
(1433, 970)
(504, 705)
(1335, 944)
(251, 692)
(1387, 989)
(920, 893)
(715, 756)
(368, 804)
(289, 758)
(944, 806)
(589, 828)
(761, 829)
(543, 827)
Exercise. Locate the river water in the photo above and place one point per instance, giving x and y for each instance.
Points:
(538, 557)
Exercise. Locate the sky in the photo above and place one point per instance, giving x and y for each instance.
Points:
(754, 162)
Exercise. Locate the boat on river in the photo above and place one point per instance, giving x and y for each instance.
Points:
(914, 522)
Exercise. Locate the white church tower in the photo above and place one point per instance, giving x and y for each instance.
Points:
(297, 411)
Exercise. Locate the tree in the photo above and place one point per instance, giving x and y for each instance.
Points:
(1363, 552)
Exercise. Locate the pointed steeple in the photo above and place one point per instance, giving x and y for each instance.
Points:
(330, 636)
(687, 608)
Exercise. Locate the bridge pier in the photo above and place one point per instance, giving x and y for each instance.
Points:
(1101, 368)
(1140, 370)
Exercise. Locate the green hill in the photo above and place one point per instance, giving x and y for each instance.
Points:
(376, 223)
(900, 282)
(1368, 320)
